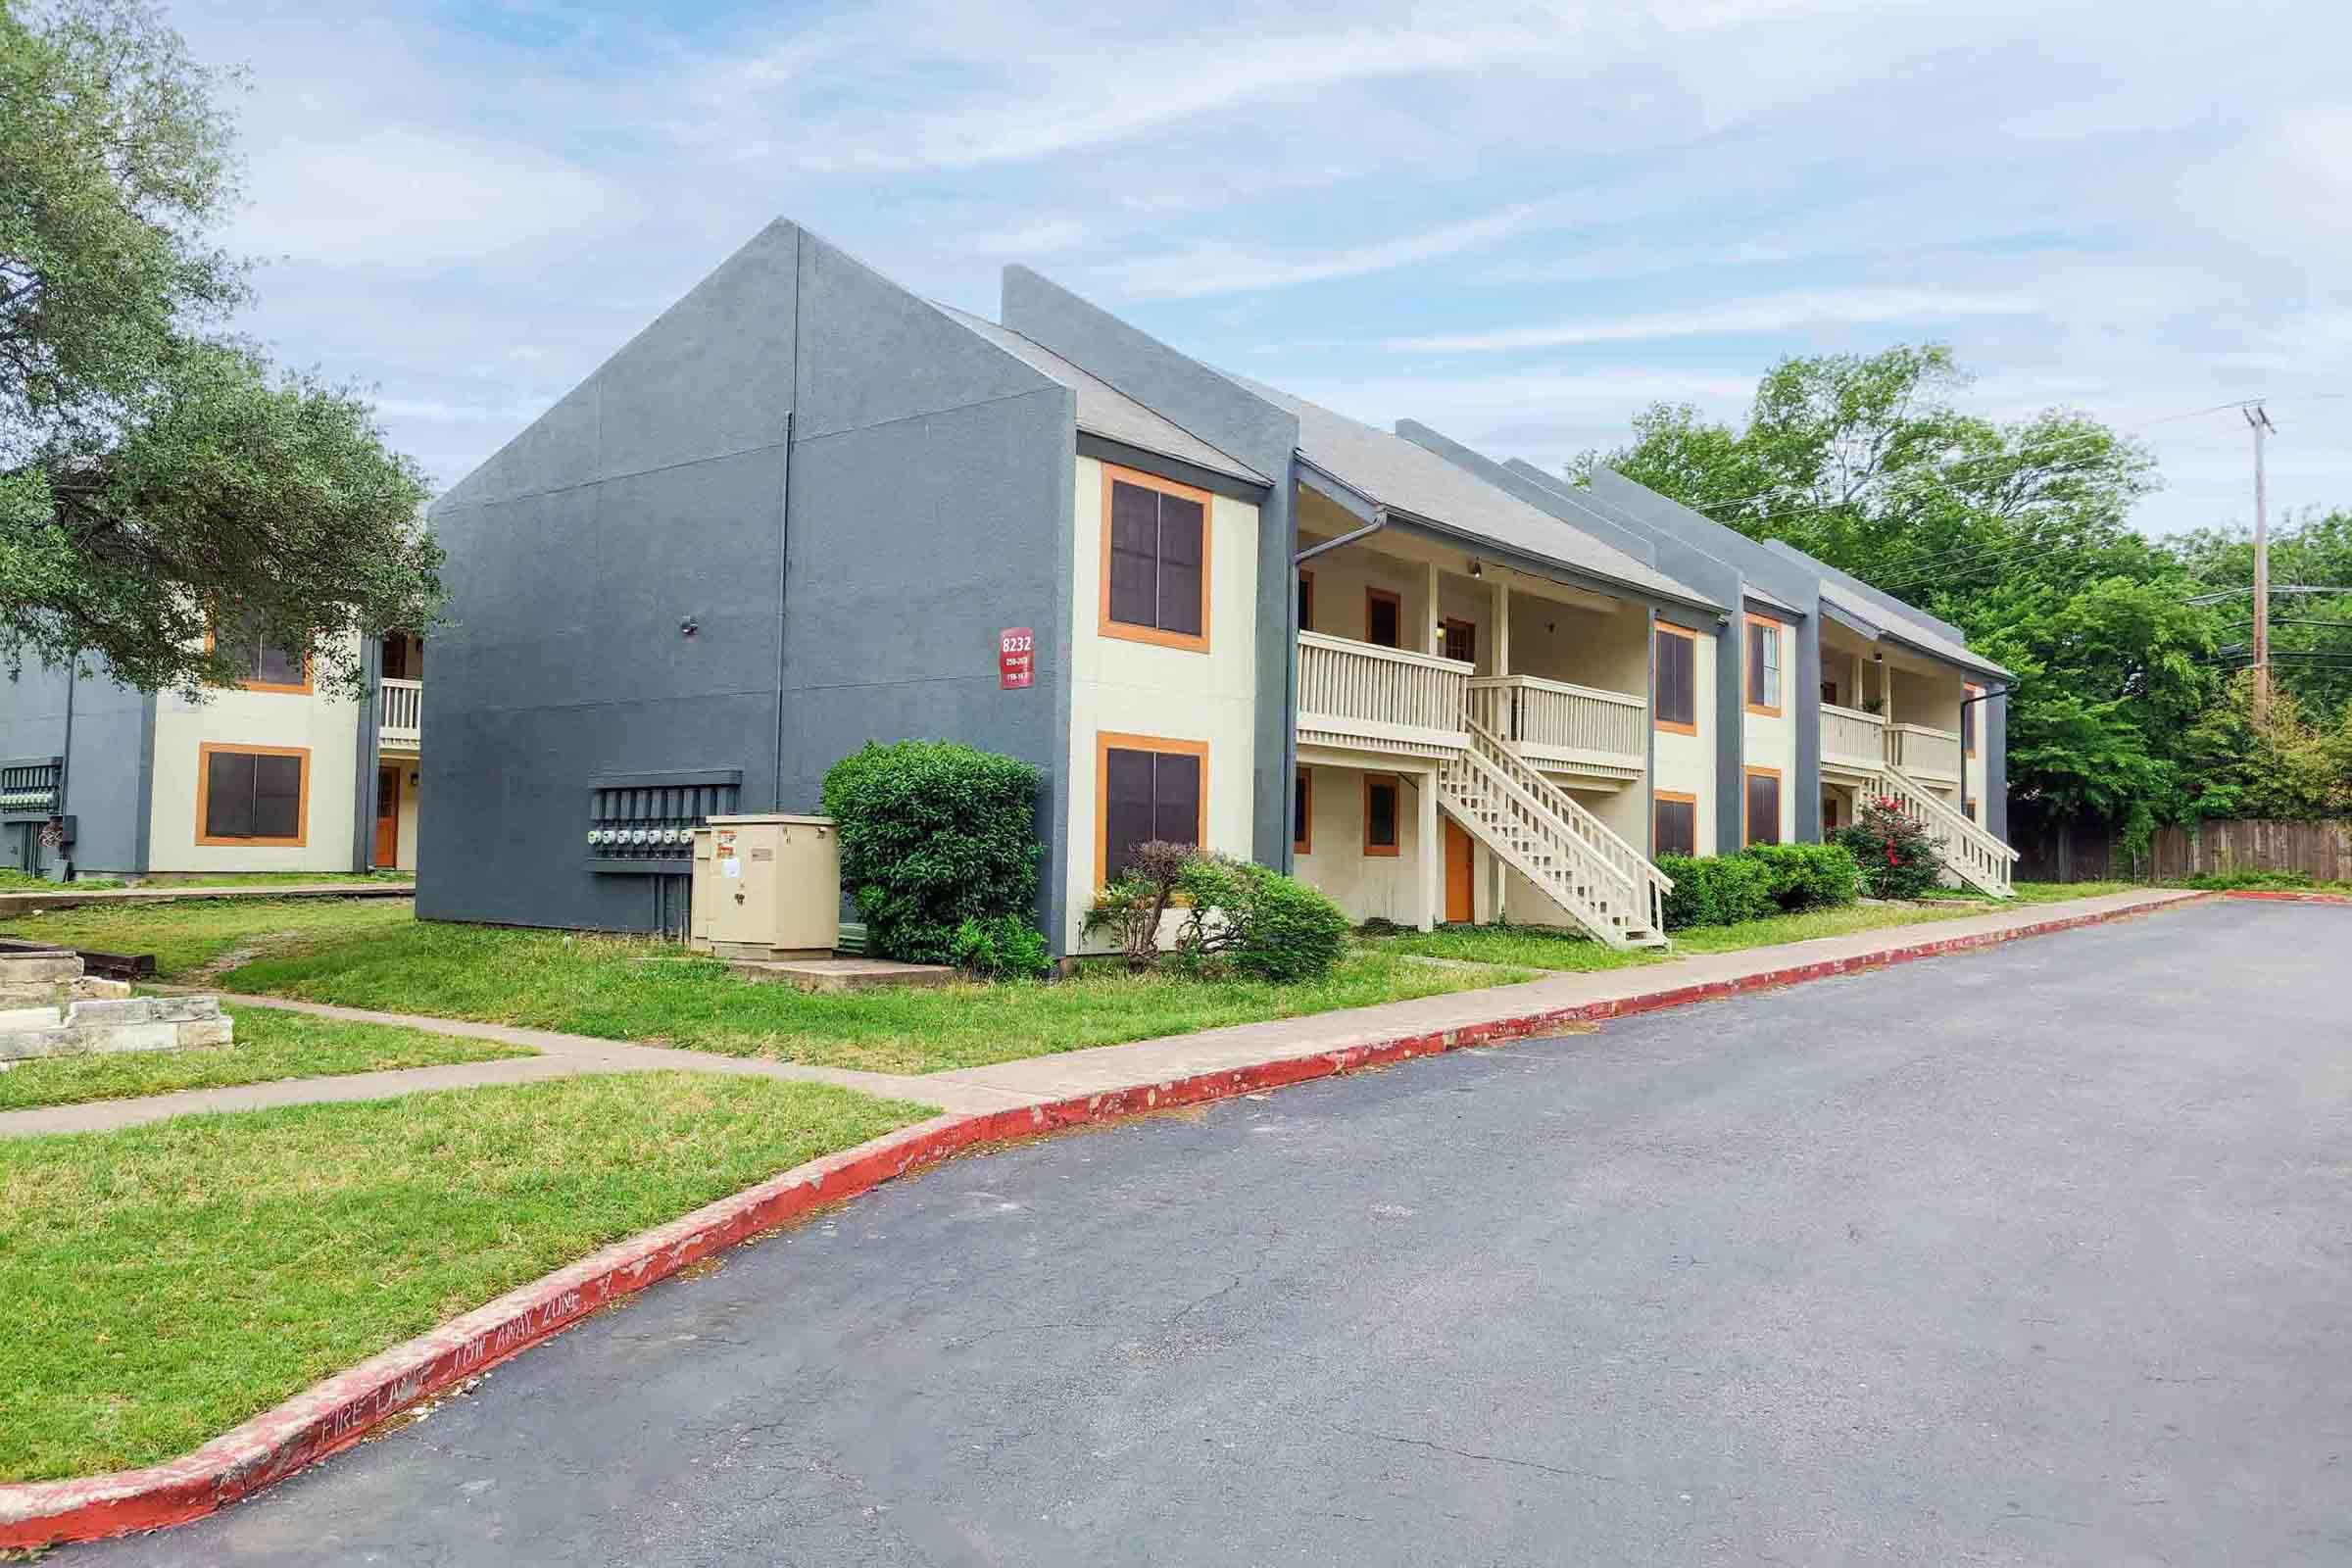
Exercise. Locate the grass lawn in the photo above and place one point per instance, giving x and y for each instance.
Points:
(16, 881)
(270, 1044)
(269, 879)
(187, 938)
(373, 954)
(166, 1282)
(1536, 948)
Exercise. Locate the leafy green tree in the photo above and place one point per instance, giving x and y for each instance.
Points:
(2311, 634)
(2016, 532)
(156, 474)
(2281, 765)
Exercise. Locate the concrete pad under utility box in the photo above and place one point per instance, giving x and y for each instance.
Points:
(844, 974)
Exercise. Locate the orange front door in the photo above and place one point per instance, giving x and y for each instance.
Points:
(1460, 908)
(387, 817)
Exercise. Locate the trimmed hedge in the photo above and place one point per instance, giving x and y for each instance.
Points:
(1809, 876)
(933, 834)
(1716, 890)
(1766, 880)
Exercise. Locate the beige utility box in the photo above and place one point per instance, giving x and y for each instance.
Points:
(767, 887)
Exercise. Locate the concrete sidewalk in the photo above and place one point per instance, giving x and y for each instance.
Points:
(1045, 1080)
(14, 904)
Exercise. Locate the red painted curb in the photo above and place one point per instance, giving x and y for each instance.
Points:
(2286, 896)
(332, 1415)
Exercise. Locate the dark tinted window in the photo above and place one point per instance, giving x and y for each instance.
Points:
(1763, 665)
(1461, 641)
(1763, 809)
(251, 795)
(1678, 827)
(241, 643)
(1678, 680)
(1147, 795)
(1301, 813)
(1382, 621)
(1379, 813)
(1156, 547)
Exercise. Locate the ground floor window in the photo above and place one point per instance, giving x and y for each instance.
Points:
(1763, 805)
(1145, 787)
(1828, 814)
(1384, 796)
(1302, 814)
(1675, 824)
(258, 794)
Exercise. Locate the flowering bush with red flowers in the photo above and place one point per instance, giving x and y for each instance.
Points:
(1898, 860)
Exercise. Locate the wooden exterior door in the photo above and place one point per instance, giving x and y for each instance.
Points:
(1460, 907)
(387, 817)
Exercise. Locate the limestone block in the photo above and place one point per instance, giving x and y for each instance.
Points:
(218, 1031)
(15, 1018)
(34, 968)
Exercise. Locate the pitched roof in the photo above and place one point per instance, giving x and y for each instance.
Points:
(1879, 620)
(1394, 472)
(1104, 411)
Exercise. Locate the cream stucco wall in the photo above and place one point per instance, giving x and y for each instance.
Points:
(1123, 687)
(410, 773)
(1686, 764)
(1367, 887)
(1975, 764)
(1769, 741)
(327, 724)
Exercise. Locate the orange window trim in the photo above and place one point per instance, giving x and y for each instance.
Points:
(1126, 631)
(1772, 629)
(1108, 741)
(309, 678)
(1967, 692)
(204, 791)
(1669, 725)
(1396, 784)
(1747, 774)
(1303, 832)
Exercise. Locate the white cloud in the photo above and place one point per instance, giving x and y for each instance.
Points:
(407, 196)
(1778, 313)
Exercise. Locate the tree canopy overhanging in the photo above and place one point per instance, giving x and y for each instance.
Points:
(158, 478)
(2019, 533)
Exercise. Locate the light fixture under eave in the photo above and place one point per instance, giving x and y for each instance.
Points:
(1478, 567)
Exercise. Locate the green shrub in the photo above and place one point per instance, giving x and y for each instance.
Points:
(2233, 878)
(1716, 890)
(1898, 858)
(1007, 948)
(1809, 876)
(934, 834)
(1238, 915)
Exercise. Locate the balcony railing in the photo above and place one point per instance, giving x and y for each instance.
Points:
(1925, 751)
(1362, 696)
(1565, 727)
(400, 713)
(1854, 738)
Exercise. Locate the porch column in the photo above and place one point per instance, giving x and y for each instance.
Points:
(1436, 624)
(1433, 852)
(1502, 625)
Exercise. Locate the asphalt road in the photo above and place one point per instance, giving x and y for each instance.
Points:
(2043, 1255)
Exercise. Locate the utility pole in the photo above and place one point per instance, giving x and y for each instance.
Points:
(2259, 417)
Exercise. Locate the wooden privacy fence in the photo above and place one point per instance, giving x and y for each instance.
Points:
(2321, 851)
(2086, 851)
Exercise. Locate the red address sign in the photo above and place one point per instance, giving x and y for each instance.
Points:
(1017, 658)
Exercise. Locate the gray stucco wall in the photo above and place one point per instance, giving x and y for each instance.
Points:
(1237, 421)
(104, 788)
(845, 491)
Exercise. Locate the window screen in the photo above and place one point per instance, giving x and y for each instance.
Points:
(1763, 664)
(250, 795)
(1677, 830)
(1147, 795)
(1380, 816)
(1763, 809)
(1155, 558)
(1383, 620)
(242, 644)
(1678, 680)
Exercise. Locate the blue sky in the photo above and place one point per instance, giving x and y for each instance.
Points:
(1519, 225)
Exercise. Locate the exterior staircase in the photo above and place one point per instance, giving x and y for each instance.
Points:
(1598, 880)
(1972, 854)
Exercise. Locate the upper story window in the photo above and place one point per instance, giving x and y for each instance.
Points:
(1676, 699)
(1764, 666)
(1154, 560)
(1969, 705)
(260, 666)
(1384, 618)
